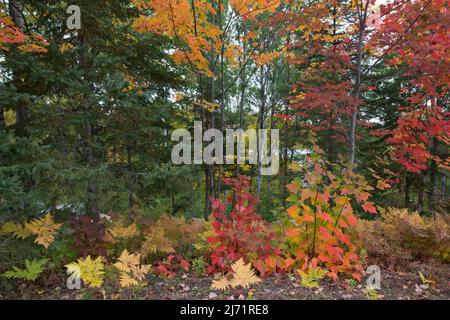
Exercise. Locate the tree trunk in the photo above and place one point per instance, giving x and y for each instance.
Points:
(92, 200)
(243, 81)
(16, 14)
(130, 176)
(261, 123)
(433, 176)
(269, 178)
(2, 119)
(357, 86)
(286, 135)
(222, 95)
(330, 142)
(92, 204)
(420, 196)
(444, 184)
(407, 190)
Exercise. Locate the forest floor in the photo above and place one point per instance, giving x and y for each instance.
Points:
(395, 285)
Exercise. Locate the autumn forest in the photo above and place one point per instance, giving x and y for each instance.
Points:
(225, 150)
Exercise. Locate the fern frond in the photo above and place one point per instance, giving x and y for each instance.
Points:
(44, 228)
(156, 241)
(17, 230)
(132, 272)
(31, 272)
(89, 270)
(120, 232)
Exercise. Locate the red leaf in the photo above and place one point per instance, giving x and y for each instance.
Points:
(185, 264)
(369, 207)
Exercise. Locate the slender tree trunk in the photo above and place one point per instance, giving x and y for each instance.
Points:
(207, 192)
(17, 16)
(421, 193)
(242, 85)
(261, 123)
(286, 134)
(130, 176)
(92, 205)
(330, 150)
(357, 86)
(444, 184)
(2, 119)
(207, 169)
(433, 176)
(89, 124)
(269, 178)
(222, 94)
(285, 158)
(407, 190)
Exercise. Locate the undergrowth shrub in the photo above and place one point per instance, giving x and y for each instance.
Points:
(122, 233)
(35, 244)
(171, 265)
(88, 236)
(240, 234)
(320, 229)
(171, 234)
(400, 236)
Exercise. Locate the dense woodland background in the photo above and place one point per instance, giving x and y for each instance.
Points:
(86, 115)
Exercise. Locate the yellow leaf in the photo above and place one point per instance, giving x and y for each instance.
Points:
(119, 232)
(156, 241)
(44, 228)
(127, 281)
(243, 275)
(293, 211)
(90, 271)
(132, 272)
(221, 284)
(424, 279)
(17, 230)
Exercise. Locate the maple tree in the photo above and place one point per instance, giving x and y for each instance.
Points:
(190, 24)
(12, 36)
(202, 33)
(423, 57)
(321, 228)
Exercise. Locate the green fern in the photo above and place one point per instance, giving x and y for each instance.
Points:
(372, 294)
(312, 276)
(199, 266)
(31, 272)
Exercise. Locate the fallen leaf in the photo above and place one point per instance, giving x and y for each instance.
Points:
(212, 295)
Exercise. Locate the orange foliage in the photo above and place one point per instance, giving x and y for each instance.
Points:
(321, 225)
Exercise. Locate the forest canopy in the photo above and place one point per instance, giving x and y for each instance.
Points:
(350, 99)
